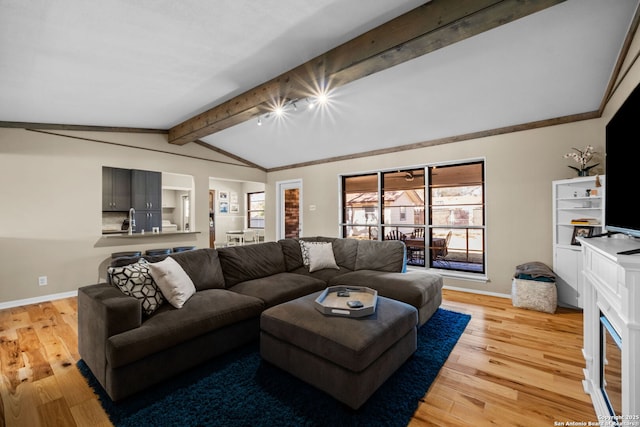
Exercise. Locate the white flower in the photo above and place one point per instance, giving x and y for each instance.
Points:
(582, 157)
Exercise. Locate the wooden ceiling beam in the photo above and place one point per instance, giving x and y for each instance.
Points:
(427, 28)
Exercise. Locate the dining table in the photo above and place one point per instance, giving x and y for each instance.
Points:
(235, 237)
(416, 244)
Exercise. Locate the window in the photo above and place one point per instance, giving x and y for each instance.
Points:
(255, 210)
(456, 217)
(437, 211)
(361, 206)
(403, 212)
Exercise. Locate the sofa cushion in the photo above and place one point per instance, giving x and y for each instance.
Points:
(325, 274)
(173, 281)
(280, 287)
(203, 267)
(205, 311)
(135, 280)
(414, 287)
(242, 263)
(292, 254)
(344, 251)
(387, 255)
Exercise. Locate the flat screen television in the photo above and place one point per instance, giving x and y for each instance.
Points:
(622, 161)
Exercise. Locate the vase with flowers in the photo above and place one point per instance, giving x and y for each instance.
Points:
(582, 157)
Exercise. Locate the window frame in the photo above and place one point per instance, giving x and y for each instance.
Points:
(344, 225)
(250, 211)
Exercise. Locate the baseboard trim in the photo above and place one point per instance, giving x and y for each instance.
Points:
(37, 300)
(475, 291)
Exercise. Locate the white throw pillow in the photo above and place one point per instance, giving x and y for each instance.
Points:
(173, 281)
(321, 256)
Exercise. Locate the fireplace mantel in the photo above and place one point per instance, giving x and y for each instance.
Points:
(612, 288)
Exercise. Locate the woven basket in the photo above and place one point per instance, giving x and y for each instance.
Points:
(534, 295)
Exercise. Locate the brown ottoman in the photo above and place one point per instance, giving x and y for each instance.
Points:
(348, 358)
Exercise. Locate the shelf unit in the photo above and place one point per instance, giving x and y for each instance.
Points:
(572, 199)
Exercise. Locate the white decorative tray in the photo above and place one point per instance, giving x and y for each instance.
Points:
(335, 301)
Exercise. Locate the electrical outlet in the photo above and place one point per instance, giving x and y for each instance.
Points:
(42, 280)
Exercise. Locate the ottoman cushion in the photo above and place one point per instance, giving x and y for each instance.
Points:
(348, 342)
(348, 358)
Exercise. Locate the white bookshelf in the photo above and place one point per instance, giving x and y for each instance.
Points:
(574, 198)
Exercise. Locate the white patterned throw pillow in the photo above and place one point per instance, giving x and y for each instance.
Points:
(135, 280)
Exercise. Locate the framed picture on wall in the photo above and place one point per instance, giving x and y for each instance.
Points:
(224, 207)
(234, 208)
(223, 195)
(580, 231)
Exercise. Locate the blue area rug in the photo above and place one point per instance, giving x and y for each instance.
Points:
(240, 389)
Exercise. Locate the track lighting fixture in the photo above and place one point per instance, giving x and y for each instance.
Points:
(291, 105)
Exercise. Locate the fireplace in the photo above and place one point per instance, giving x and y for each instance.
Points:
(610, 366)
(611, 315)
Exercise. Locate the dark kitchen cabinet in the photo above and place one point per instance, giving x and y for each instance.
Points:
(146, 198)
(147, 219)
(146, 190)
(116, 189)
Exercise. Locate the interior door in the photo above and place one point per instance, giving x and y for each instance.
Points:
(289, 222)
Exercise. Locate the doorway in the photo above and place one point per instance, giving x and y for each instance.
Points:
(186, 212)
(289, 209)
(212, 219)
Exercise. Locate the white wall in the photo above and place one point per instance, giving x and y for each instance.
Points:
(519, 170)
(51, 197)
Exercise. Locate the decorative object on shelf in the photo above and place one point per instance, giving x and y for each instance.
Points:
(585, 221)
(582, 157)
(580, 231)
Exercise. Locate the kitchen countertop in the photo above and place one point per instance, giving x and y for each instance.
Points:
(119, 233)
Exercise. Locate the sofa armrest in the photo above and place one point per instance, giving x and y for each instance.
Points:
(103, 311)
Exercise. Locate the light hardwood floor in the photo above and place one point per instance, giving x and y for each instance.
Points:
(511, 367)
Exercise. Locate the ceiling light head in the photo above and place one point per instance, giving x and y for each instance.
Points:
(259, 121)
(279, 111)
(322, 98)
(310, 103)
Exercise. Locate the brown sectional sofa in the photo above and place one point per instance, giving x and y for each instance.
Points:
(128, 351)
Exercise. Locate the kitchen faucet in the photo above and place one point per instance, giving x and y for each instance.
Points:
(132, 220)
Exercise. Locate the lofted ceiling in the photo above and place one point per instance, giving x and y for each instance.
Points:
(155, 64)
